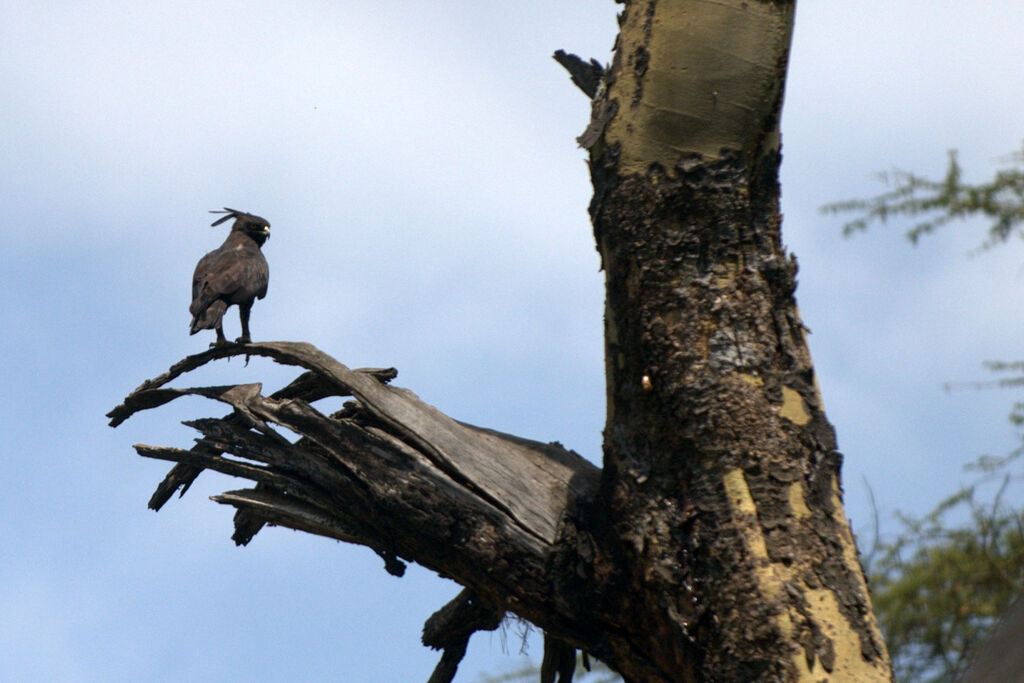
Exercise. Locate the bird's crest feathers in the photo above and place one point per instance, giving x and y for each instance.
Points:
(233, 213)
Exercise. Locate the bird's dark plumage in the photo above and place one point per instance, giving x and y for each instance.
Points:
(235, 273)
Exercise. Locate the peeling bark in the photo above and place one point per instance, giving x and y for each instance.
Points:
(721, 472)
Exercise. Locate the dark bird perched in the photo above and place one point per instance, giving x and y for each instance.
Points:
(233, 274)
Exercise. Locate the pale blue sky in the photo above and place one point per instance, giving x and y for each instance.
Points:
(418, 164)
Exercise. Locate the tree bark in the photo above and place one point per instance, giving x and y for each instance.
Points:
(713, 545)
(721, 473)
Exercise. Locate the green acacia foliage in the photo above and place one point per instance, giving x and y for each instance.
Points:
(938, 202)
(941, 584)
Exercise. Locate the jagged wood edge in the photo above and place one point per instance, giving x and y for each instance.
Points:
(495, 455)
(415, 437)
(585, 76)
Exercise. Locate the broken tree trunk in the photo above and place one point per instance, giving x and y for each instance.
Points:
(721, 475)
(712, 545)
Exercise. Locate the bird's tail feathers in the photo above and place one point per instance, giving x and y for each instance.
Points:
(206, 317)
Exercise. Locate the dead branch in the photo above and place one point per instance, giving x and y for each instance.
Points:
(389, 472)
(586, 76)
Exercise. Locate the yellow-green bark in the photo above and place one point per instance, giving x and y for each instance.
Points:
(700, 76)
(721, 469)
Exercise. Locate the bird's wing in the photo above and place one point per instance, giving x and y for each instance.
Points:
(218, 275)
(201, 272)
(259, 276)
(234, 275)
(228, 274)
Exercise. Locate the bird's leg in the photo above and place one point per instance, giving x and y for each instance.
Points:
(243, 314)
(221, 339)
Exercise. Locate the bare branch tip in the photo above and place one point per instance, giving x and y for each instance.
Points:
(586, 76)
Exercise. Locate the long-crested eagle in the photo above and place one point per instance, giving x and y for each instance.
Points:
(235, 273)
